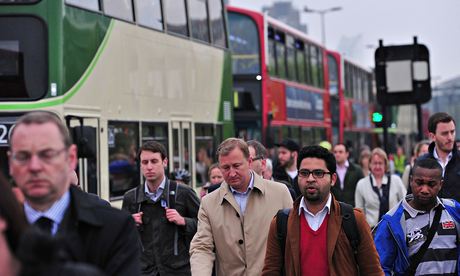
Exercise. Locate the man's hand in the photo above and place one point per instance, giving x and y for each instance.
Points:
(138, 218)
(173, 216)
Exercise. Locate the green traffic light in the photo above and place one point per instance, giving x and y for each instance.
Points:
(377, 117)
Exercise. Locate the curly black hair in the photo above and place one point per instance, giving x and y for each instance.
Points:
(320, 153)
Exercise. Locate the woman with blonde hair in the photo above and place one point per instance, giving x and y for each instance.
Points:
(380, 191)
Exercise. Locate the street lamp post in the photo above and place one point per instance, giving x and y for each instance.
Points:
(322, 13)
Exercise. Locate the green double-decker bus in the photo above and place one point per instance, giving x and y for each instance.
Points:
(119, 72)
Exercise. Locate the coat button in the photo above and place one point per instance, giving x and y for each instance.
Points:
(240, 241)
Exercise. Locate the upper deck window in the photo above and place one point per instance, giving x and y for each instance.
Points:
(244, 44)
(176, 17)
(216, 15)
(86, 4)
(122, 9)
(199, 19)
(333, 75)
(148, 13)
(23, 58)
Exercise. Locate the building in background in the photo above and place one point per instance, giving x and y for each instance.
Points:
(285, 12)
(445, 98)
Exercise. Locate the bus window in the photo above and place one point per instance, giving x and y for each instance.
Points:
(314, 65)
(216, 15)
(155, 132)
(121, 9)
(23, 58)
(320, 68)
(198, 14)
(290, 58)
(300, 61)
(244, 44)
(123, 142)
(308, 63)
(333, 75)
(281, 60)
(176, 17)
(148, 13)
(271, 57)
(86, 4)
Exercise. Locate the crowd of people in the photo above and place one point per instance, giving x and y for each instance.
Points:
(312, 211)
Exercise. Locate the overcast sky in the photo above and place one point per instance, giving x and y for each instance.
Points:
(361, 23)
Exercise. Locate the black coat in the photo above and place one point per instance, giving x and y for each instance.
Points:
(280, 175)
(94, 233)
(352, 176)
(451, 186)
(165, 245)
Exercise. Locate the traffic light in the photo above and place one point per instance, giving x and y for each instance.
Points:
(377, 117)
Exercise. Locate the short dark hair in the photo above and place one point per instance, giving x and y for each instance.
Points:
(347, 149)
(43, 117)
(435, 119)
(260, 150)
(154, 147)
(320, 153)
(426, 163)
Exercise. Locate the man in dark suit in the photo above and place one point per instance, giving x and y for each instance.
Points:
(348, 175)
(40, 160)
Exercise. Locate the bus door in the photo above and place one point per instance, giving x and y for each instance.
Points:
(181, 146)
(85, 134)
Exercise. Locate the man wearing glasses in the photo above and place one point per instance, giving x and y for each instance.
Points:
(316, 243)
(41, 158)
(233, 221)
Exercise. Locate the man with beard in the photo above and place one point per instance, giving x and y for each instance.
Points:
(441, 127)
(419, 236)
(316, 242)
(286, 170)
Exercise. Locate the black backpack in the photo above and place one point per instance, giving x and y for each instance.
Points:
(348, 224)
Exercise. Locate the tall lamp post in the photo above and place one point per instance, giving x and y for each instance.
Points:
(322, 13)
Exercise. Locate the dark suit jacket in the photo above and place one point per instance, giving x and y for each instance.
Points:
(100, 235)
(352, 176)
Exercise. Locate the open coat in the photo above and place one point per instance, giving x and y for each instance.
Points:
(236, 242)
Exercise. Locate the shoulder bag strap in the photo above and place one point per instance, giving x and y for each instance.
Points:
(417, 257)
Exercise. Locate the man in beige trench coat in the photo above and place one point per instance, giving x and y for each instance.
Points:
(233, 222)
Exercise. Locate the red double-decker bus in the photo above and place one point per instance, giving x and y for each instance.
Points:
(286, 85)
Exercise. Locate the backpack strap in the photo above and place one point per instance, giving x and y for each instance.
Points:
(281, 228)
(350, 227)
(172, 191)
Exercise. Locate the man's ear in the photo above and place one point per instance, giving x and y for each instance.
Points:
(333, 179)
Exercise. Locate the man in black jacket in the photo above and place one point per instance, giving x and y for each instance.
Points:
(41, 157)
(286, 168)
(348, 175)
(441, 128)
(165, 213)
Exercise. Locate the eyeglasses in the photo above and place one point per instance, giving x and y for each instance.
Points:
(316, 173)
(46, 156)
(257, 158)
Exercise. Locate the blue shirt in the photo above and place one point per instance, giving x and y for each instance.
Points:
(242, 198)
(155, 195)
(55, 212)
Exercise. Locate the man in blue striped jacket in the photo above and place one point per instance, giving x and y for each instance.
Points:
(408, 241)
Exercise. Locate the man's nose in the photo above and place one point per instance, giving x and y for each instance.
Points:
(35, 163)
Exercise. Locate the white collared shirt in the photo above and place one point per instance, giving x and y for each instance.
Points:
(341, 172)
(55, 213)
(242, 198)
(315, 221)
(443, 165)
(155, 195)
